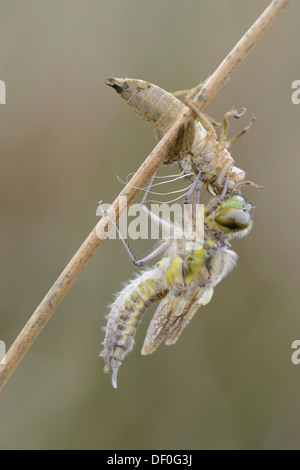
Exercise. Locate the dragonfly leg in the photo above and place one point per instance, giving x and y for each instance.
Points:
(158, 220)
(236, 137)
(190, 91)
(144, 198)
(196, 203)
(205, 120)
(223, 135)
(150, 214)
(206, 123)
(187, 199)
(216, 203)
(158, 251)
(195, 191)
(181, 93)
(245, 183)
(193, 91)
(225, 187)
(141, 262)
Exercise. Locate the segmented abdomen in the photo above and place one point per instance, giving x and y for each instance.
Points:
(125, 316)
(153, 103)
(193, 149)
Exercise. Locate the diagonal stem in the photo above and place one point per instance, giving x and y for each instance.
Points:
(89, 247)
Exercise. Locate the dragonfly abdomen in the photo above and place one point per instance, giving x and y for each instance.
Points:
(150, 101)
(125, 316)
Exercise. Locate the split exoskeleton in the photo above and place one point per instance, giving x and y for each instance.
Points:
(192, 265)
(197, 147)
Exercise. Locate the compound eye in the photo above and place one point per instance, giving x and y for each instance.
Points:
(233, 219)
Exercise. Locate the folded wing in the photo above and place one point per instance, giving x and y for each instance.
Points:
(172, 316)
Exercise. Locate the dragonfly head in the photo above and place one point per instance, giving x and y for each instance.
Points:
(233, 216)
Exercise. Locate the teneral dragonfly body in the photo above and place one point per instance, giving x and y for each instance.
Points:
(183, 281)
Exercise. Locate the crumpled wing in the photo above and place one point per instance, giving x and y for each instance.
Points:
(171, 317)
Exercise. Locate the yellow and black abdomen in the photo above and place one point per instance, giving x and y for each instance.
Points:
(124, 318)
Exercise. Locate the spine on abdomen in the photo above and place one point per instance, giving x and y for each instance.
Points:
(124, 318)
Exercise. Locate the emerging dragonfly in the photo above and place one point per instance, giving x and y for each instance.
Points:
(197, 147)
(183, 280)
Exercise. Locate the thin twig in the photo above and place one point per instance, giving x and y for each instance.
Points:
(89, 247)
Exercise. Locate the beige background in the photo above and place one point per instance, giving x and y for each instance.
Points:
(229, 382)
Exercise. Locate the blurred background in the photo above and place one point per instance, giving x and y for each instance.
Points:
(229, 382)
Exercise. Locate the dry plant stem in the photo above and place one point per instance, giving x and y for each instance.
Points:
(89, 247)
(222, 74)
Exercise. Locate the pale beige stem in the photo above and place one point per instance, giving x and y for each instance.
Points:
(89, 247)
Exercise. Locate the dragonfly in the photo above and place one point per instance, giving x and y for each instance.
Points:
(182, 281)
(197, 146)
